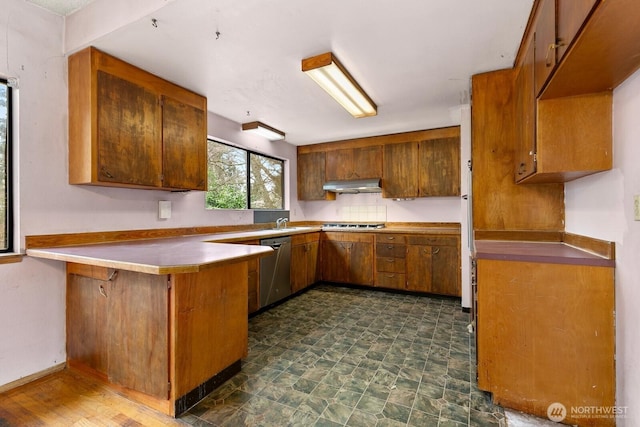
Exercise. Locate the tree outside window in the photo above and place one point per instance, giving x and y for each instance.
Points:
(242, 179)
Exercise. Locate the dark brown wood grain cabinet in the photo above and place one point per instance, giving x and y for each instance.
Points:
(347, 257)
(354, 163)
(439, 167)
(564, 138)
(129, 128)
(304, 260)
(391, 261)
(428, 168)
(400, 170)
(311, 176)
(433, 264)
(162, 340)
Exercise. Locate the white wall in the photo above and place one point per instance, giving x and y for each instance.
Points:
(601, 206)
(32, 293)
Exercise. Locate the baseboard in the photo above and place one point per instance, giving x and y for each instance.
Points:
(32, 377)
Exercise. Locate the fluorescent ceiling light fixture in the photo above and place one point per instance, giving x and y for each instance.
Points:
(331, 75)
(261, 129)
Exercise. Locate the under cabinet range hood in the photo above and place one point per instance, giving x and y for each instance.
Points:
(354, 186)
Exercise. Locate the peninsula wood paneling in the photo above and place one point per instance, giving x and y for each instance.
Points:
(200, 304)
(498, 202)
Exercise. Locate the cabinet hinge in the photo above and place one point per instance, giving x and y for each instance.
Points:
(169, 387)
(535, 157)
(168, 282)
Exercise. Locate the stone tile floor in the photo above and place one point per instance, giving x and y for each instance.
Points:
(350, 357)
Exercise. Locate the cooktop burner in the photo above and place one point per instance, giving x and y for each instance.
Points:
(356, 226)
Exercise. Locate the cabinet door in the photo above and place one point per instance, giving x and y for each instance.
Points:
(184, 136)
(137, 331)
(419, 268)
(129, 133)
(339, 165)
(335, 261)
(545, 43)
(571, 16)
(354, 163)
(312, 262)
(311, 177)
(361, 263)
(86, 316)
(439, 167)
(367, 162)
(298, 267)
(526, 110)
(400, 170)
(445, 271)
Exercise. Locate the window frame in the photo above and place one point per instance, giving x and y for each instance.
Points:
(248, 154)
(9, 208)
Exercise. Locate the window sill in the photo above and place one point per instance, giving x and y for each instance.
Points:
(10, 258)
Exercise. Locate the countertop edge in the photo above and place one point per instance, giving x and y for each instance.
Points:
(540, 252)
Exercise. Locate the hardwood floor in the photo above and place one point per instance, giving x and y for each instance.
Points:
(67, 398)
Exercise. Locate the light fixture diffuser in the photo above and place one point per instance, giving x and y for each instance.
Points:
(261, 129)
(330, 74)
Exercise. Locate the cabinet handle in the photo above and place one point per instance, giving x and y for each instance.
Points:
(102, 292)
(548, 58)
(390, 260)
(390, 237)
(106, 173)
(436, 251)
(390, 247)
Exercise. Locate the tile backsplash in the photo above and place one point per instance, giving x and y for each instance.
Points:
(369, 213)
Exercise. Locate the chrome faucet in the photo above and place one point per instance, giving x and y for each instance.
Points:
(281, 222)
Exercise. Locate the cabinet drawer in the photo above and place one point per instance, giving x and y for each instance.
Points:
(433, 240)
(391, 280)
(301, 239)
(391, 265)
(391, 238)
(386, 250)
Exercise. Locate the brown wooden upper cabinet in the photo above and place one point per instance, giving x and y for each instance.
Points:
(562, 138)
(556, 25)
(422, 163)
(428, 168)
(311, 176)
(354, 163)
(129, 128)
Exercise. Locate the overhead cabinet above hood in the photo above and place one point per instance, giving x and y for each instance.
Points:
(354, 186)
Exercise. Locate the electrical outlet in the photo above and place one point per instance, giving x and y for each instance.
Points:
(636, 207)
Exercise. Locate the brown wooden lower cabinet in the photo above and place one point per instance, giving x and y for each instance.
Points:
(419, 263)
(347, 257)
(545, 335)
(304, 260)
(163, 340)
(254, 280)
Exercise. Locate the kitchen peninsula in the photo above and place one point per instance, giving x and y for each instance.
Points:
(163, 321)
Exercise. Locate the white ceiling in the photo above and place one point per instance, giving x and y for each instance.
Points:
(61, 7)
(413, 57)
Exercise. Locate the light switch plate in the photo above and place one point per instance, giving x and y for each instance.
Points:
(636, 207)
(164, 209)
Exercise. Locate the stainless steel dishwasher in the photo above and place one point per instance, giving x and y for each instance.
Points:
(275, 271)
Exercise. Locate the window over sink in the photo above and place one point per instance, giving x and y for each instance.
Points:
(243, 179)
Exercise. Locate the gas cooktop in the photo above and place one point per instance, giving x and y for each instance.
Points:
(351, 226)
